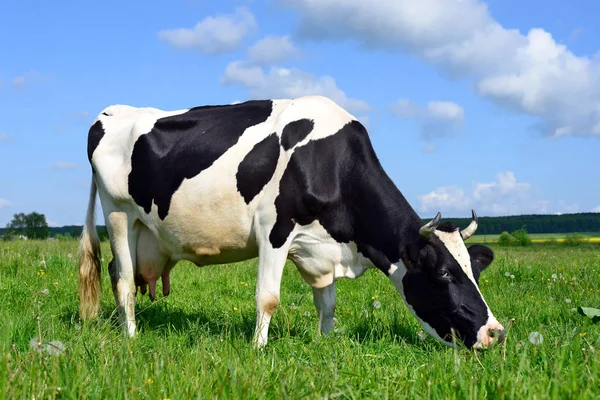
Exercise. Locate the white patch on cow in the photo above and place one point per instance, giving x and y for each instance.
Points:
(327, 116)
(396, 274)
(458, 250)
(456, 246)
(321, 260)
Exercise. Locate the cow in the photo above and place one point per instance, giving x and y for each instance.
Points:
(277, 179)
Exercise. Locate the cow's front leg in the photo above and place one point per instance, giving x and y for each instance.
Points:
(270, 269)
(324, 299)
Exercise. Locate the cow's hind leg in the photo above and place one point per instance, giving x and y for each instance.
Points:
(123, 236)
(270, 270)
(324, 299)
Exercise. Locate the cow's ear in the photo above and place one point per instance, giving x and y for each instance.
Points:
(481, 258)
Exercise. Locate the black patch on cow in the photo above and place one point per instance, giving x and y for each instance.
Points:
(339, 181)
(181, 146)
(481, 257)
(294, 132)
(447, 226)
(258, 167)
(94, 136)
(442, 294)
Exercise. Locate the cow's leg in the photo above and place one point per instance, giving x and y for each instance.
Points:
(123, 236)
(324, 299)
(270, 269)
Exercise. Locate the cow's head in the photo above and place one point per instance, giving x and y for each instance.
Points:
(440, 284)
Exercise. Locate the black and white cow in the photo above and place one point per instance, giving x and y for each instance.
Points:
(272, 179)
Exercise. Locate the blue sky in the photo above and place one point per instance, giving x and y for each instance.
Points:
(487, 105)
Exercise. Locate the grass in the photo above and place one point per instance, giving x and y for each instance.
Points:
(589, 237)
(197, 342)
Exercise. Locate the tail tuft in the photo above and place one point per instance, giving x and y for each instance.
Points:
(89, 263)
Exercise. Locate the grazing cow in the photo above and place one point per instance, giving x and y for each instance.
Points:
(272, 179)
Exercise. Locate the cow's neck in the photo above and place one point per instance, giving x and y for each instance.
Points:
(386, 223)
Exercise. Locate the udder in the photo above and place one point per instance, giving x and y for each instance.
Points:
(151, 264)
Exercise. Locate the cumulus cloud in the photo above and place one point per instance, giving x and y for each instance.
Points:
(214, 34)
(530, 73)
(278, 82)
(5, 203)
(4, 137)
(64, 165)
(438, 118)
(596, 209)
(272, 50)
(503, 196)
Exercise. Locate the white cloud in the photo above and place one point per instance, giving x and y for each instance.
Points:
(280, 82)
(445, 110)
(569, 208)
(64, 165)
(439, 110)
(438, 118)
(503, 196)
(5, 203)
(596, 209)
(529, 72)
(446, 198)
(29, 78)
(214, 34)
(4, 137)
(272, 50)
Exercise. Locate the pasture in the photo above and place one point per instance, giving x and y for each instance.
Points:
(196, 343)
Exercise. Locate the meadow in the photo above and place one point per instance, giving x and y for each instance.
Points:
(196, 343)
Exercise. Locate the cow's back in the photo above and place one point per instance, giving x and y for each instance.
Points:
(202, 179)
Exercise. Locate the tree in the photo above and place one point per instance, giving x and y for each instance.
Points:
(506, 239)
(32, 225)
(521, 237)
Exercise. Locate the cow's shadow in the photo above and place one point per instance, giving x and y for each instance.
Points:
(164, 320)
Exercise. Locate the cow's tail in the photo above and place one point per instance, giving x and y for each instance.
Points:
(89, 262)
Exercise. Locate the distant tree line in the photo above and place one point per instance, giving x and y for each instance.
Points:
(565, 223)
(35, 226)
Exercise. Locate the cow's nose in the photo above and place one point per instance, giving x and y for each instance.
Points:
(498, 334)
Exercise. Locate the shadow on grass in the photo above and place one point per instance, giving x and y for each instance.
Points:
(165, 320)
(375, 330)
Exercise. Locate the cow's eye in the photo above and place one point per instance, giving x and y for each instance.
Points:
(444, 274)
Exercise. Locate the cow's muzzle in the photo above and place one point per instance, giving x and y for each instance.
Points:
(490, 334)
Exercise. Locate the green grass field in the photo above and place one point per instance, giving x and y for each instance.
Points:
(592, 237)
(196, 343)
